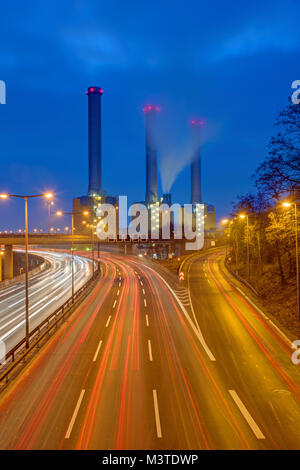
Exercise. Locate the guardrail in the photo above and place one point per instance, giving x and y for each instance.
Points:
(18, 353)
(239, 278)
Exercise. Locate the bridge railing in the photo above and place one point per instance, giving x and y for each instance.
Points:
(18, 354)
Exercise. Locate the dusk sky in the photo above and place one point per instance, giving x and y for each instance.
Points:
(229, 62)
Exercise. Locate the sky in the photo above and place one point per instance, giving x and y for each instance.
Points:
(229, 62)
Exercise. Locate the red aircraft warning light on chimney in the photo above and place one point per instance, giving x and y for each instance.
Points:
(151, 107)
(94, 89)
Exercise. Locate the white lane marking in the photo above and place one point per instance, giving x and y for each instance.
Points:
(150, 350)
(115, 302)
(69, 430)
(97, 351)
(142, 283)
(144, 291)
(118, 292)
(246, 415)
(145, 302)
(197, 332)
(156, 413)
(147, 320)
(119, 284)
(107, 323)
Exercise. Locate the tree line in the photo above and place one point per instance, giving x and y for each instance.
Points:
(271, 229)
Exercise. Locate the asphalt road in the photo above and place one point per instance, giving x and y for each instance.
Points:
(48, 290)
(144, 364)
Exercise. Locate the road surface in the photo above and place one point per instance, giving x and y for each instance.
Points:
(47, 291)
(143, 364)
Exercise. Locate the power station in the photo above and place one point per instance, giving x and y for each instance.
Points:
(96, 196)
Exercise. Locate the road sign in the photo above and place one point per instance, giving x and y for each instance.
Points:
(181, 276)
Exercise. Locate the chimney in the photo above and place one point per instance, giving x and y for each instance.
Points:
(95, 148)
(151, 153)
(196, 193)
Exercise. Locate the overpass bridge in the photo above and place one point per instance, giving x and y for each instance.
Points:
(62, 239)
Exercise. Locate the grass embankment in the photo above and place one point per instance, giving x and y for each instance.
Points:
(277, 298)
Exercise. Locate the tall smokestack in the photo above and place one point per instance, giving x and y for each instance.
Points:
(151, 153)
(196, 193)
(95, 148)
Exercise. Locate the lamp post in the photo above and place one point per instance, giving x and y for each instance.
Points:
(92, 227)
(72, 249)
(50, 203)
(245, 216)
(290, 204)
(225, 223)
(25, 198)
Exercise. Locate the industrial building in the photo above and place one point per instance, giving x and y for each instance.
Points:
(96, 196)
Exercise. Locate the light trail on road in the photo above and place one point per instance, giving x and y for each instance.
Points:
(128, 374)
(48, 290)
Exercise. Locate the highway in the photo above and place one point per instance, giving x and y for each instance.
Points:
(148, 363)
(47, 291)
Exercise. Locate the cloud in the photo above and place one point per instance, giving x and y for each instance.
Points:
(256, 39)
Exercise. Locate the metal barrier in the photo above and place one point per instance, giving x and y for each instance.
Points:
(239, 278)
(18, 353)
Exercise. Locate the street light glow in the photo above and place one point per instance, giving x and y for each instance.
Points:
(48, 195)
(286, 204)
(4, 196)
(242, 216)
(59, 213)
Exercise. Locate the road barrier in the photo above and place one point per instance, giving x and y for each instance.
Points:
(239, 278)
(21, 277)
(18, 353)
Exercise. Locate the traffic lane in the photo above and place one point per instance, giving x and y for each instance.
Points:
(45, 280)
(35, 410)
(195, 407)
(45, 296)
(247, 359)
(117, 410)
(280, 377)
(154, 399)
(235, 410)
(6, 293)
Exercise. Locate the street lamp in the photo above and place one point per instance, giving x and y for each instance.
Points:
(245, 216)
(287, 204)
(47, 196)
(60, 213)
